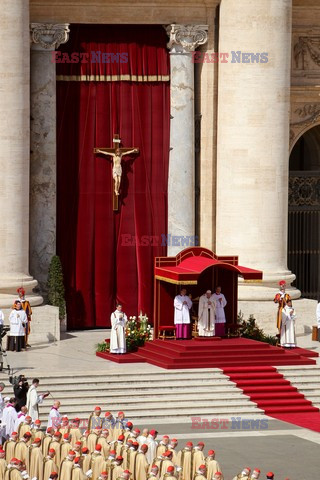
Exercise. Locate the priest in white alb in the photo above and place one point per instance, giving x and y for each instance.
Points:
(182, 305)
(206, 315)
(118, 331)
(287, 330)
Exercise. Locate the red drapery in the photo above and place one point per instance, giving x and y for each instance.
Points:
(101, 252)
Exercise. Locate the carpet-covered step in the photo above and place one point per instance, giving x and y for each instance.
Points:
(290, 409)
(233, 352)
(270, 389)
(285, 399)
(255, 397)
(218, 358)
(285, 402)
(210, 351)
(235, 343)
(218, 364)
(260, 383)
(253, 376)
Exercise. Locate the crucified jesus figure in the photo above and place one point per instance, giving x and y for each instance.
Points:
(116, 168)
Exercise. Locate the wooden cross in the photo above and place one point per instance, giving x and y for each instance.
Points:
(116, 153)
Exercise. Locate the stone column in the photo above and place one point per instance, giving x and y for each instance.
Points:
(45, 39)
(14, 152)
(253, 140)
(183, 40)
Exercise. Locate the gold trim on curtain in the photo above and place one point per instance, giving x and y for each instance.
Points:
(113, 78)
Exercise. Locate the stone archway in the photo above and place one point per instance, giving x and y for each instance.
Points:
(304, 212)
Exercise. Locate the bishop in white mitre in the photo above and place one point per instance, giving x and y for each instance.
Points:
(206, 315)
(182, 305)
(118, 331)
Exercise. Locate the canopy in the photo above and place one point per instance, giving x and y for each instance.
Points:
(188, 265)
(199, 269)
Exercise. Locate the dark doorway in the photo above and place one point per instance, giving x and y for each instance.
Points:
(304, 213)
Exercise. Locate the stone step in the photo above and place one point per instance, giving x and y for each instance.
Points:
(77, 404)
(221, 382)
(313, 397)
(162, 413)
(302, 378)
(309, 390)
(303, 369)
(306, 379)
(152, 395)
(295, 378)
(139, 396)
(170, 375)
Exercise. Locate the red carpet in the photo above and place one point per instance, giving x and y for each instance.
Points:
(306, 420)
(250, 364)
(232, 352)
(275, 395)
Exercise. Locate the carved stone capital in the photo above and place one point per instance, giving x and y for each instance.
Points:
(49, 36)
(186, 38)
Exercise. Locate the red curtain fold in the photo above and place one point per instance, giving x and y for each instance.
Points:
(103, 260)
(116, 50)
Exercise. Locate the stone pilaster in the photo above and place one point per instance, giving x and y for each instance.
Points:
(253, 140)
(183, 40)
(14, 152)
(45, 39)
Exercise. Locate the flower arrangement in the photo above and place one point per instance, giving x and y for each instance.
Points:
(138, 332)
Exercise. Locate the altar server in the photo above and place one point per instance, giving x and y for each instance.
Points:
(182, 305)
(221, 302)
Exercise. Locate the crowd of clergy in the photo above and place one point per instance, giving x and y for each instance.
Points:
(108, 448)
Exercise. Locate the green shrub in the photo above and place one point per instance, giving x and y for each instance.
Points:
(56, 287)
(249, 329)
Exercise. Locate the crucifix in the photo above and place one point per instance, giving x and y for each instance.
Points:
(116, 152)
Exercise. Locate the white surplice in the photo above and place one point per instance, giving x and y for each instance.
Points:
(9, 417)
(54, 419)
(206, 316)
(181, 310)
(18, 319)
(21, 418)
(152, 449)
(287, 331)
(118, 332)
(33, 400)
(220, 315)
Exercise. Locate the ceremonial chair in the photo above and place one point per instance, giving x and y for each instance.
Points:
(163, 332)
(194, 322)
